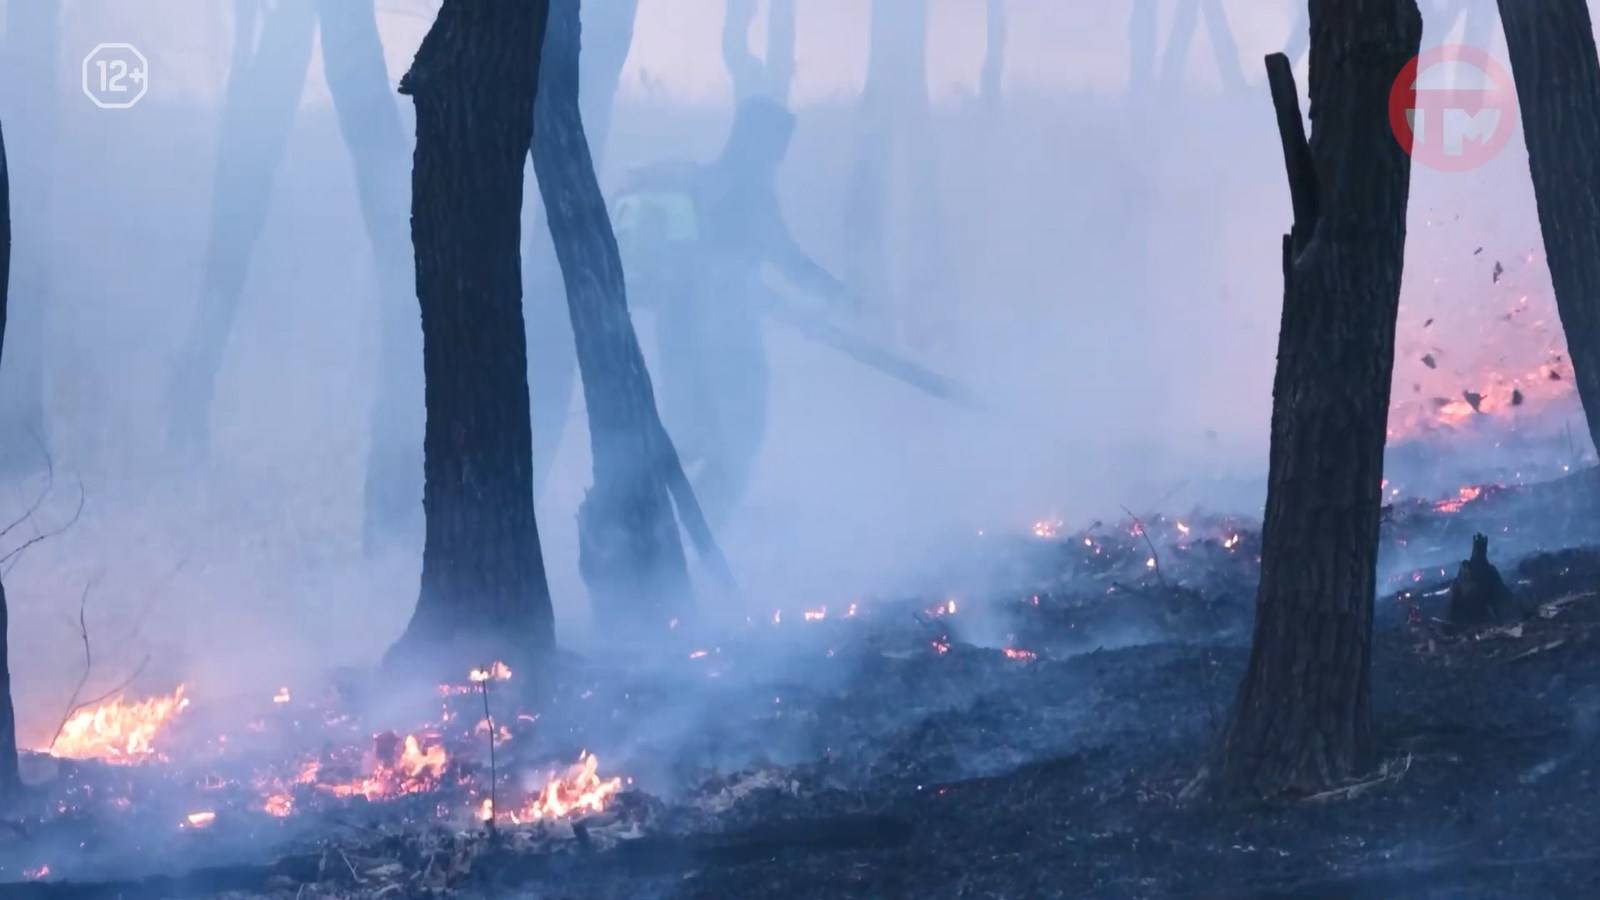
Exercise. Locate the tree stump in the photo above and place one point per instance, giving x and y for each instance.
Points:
(1479, 595)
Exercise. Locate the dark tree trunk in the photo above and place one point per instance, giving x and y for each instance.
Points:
(31, 76)
(9, 781)
(1303, 717)
(369, 119)
(1558, 86)
(484, 592)
(552, 362)
(263, 93)
(628, 546)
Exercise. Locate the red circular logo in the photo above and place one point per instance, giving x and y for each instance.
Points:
(1453, 108)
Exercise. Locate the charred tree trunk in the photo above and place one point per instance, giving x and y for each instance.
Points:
(33, 54)
(10, 783)
(1303, 717)
(263, 93)
(628, 546)
(483, 592)
(1558, 86)
(352, 56)
(552, 363)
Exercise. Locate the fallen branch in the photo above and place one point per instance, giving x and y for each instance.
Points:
(1391, 771)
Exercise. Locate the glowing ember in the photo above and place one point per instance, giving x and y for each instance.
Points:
(497, 672)
(282, 696)
(201, 819)
(118, 732)
(36, 874)
(698, 654)
(1017, 653)
(816, 615)
(777, 617)
(1231, 542)
(941, 647)
(580, 789)
(1046, 528)
(278, 805)
(1463, 496)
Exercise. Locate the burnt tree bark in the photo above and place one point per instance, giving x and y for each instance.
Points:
(10, 783)
(1553, 59)
(1303, 717)
(483, 593)
(264, 87)
(628, 546)
(369, 120)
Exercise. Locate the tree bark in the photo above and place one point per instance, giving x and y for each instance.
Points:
(1553, 59)
(369, 119)
(1303, 717)
(629, 550)
(483, 593)
(10, 783)
(33, 56)
(263, 94)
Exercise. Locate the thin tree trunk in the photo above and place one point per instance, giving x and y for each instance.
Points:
(991, 79)
(10, 783)
(628, 546)
(608, 28)
(1303, 717)
(779, 56)
(33, 49)
(369, 119)
(484, 592)
(263, 93)
(1558, 86)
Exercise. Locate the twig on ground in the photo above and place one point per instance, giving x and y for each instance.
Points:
(1155, 558)
(1391, 771)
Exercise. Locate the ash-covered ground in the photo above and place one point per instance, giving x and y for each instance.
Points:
(1027, 741)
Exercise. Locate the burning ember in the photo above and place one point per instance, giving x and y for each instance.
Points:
(201, 819)
(1020, 654)
(282, 696)
(118, 732)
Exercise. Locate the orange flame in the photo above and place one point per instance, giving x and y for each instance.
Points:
(579, 789)
(118, 732)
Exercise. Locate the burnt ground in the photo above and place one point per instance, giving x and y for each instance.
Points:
(903, 752)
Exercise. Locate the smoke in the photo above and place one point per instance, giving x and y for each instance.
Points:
(1101, 274)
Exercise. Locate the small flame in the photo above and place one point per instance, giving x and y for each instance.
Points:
(1018, 653)
(941, 647)
(579, 789)
(43, 871)
(282, 696)
(1463, 496)
(497, 672)
(202, 819)
(698, 654)
(816, 615)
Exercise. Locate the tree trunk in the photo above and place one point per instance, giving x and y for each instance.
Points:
(1303, 717)
(10, 783)
(552, 363)
(369, 119)
(263, 93)
(33, 53)
(483, 592)
(1558, 86)
(628, 546)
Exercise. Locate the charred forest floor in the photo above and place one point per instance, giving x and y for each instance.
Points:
(1034, 741)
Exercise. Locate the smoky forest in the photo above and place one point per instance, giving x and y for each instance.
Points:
(799, 449)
